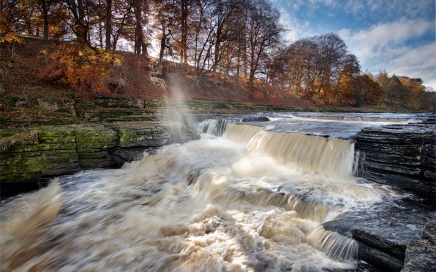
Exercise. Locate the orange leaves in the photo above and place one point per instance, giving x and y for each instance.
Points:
(6, 31)
(83, 69)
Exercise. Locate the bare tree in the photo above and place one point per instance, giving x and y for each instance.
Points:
(263, 33)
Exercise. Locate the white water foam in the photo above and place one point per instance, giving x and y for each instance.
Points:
(221, 204)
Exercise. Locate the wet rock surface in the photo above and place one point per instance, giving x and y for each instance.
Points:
(385, 234)
(37, 154)
(399, 236)
(402, 156)
(421, 254)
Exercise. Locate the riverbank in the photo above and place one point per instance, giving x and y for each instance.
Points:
(30, 97)
(40, 153)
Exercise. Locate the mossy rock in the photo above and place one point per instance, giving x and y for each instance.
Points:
(135, 134)
(97, 137)
(46, 151)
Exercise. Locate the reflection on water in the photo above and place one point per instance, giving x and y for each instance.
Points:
(232, 203)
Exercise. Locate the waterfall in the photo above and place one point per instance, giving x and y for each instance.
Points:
(218, 126)
(328, 156)
(241, 133)
(214, 126)
(251, 200)
(334, 244)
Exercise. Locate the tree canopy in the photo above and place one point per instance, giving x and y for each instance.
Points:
(237, 38)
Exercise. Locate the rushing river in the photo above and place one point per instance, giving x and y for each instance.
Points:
(244, 197)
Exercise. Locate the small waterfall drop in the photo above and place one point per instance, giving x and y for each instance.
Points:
(334, 244)
(241, 133)
(329, 156)
(213, 126)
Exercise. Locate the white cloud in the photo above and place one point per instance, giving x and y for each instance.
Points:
(417, 63)
(404, 8)
(375, 40)
(294, 29)
(385, 47)
(395, 41)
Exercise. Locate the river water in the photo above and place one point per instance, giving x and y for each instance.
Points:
(244, 197)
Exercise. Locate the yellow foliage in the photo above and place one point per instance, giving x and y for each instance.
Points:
(10, 38)
(7, 35)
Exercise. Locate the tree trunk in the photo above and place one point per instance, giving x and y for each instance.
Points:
(184, 41)
(140, 43)
(162, 46)
(100, 34)
(108, 24)
(45, 18)
(138, 26)
(82, 27)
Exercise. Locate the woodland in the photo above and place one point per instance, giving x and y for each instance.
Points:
(110, 47)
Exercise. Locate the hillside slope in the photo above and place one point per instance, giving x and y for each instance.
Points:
(57, 83)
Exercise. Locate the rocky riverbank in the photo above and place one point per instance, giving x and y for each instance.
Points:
(399, 237)
(42, 152)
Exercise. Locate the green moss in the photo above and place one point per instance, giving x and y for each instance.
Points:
(130, 118)
(93, 155)
(131, 135)
(94, 137)
(21, 177)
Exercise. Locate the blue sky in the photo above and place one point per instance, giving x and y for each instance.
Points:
(393, 35)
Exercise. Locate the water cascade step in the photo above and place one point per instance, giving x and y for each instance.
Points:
(325, 155)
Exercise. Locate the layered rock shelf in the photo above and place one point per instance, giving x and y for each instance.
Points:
(403, 156)
(39, 153)
(400, 236)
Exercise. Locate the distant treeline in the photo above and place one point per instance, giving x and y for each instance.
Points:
(238, 38)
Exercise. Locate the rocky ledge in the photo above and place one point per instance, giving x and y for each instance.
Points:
(39, 153)
(402, 156)
(400, 235)
(391, 238)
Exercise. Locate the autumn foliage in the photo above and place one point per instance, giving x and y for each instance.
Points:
(81, 68)
(237, 42)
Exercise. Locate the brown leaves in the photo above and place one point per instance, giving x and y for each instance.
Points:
(83, 69)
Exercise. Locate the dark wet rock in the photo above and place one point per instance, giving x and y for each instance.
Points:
(421, 254)
(255, 119)
(403, 156)
(384, 234)
(122, 155)
(382, 260)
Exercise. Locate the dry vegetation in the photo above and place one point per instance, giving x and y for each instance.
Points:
(52, 69)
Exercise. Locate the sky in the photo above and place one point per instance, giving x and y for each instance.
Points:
(393, 35)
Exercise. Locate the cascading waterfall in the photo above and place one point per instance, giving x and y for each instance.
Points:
(333, 244)
(241, 133)
(251, 200)
(214, 126)
(217, 127)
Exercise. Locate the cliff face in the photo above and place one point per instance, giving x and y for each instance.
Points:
(403, 156)
(37, 154)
